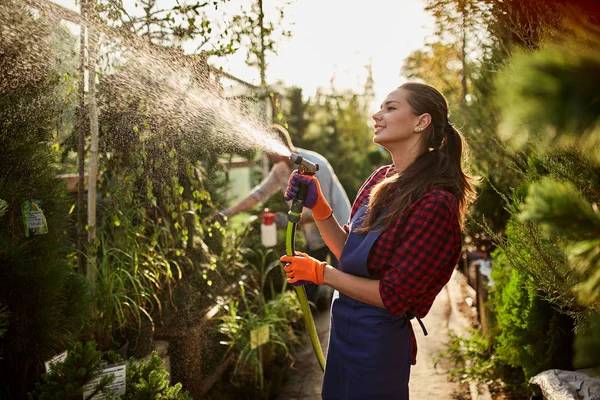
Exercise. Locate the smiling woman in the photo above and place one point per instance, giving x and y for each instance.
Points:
(399, 249)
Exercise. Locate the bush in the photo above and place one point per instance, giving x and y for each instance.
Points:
(150, 380)
(521, 315)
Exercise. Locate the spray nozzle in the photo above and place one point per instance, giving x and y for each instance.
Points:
(305, 167)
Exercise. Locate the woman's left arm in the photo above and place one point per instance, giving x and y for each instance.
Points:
(427, 244)
(359, 288)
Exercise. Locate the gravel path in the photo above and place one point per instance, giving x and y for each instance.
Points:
(428, 381)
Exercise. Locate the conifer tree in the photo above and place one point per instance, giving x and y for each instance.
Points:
(559, 111)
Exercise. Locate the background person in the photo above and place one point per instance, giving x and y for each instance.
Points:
(276, 181)
(398, 251)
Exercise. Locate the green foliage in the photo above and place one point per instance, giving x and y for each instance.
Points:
(149, 380)
(48, 303)
(543, 259)
(531, 82)
(172, 26)
(199, 290)
(258, 34)
(253, 311)
(551, 91)
(121, 295)
(587, 346)
(445, 76)
(156, 204)
(473, 359)
(521, 314)
(66, 380)
(84, 363)
(571, 164)
(561, 209)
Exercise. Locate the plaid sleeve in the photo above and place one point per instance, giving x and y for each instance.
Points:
(424, 259)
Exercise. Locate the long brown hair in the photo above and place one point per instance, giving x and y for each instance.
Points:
(438, 167)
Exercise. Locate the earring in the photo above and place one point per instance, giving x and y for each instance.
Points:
(418, 129)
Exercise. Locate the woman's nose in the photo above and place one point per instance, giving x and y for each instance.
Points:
(376, 116)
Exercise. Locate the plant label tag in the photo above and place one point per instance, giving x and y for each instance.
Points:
(35, 220)
(117, 386)
(259, 336)
(56, 359)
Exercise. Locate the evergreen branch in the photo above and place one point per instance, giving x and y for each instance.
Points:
(561, 209)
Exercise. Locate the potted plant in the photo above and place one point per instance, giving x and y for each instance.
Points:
(84, 363)
(260, 368)
(67, 379)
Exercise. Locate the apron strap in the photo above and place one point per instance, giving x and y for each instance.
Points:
(410, 316)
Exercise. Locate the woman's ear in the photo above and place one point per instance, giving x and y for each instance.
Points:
(423, 122)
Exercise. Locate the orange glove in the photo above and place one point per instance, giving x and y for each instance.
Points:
(315, 200)
(303, 267)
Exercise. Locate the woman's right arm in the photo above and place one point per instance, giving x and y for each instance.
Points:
(333, 234)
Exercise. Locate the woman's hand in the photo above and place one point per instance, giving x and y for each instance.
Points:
(302, 268)
(315, 200)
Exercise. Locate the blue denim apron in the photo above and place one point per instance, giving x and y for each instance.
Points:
(370, 350)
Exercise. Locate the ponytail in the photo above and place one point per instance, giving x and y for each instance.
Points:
(453, 144)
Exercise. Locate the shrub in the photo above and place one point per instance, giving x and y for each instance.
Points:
(150, 380)
(522, 314)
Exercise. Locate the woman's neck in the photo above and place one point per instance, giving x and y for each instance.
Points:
(402, 159)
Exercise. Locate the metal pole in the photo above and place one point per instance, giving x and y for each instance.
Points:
(80, 129)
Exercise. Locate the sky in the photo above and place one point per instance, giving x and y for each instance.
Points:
(338, 38)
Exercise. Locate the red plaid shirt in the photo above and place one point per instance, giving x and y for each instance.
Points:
(415, 258)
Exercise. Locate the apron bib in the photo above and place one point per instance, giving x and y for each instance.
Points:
(369, 354)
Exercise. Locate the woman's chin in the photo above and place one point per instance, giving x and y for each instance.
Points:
(377, 139)
(383, 143)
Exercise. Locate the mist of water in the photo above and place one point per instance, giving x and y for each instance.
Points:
(176, 89)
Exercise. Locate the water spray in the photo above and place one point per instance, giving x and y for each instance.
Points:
(305, 167)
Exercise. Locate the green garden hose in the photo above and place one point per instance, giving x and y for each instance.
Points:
(305, 167)
(301, 292)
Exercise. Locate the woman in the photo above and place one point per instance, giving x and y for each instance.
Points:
(397, 252)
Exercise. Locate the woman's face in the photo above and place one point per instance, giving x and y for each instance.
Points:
(395, 123)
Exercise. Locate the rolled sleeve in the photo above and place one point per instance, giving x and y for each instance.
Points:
(423, 260)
